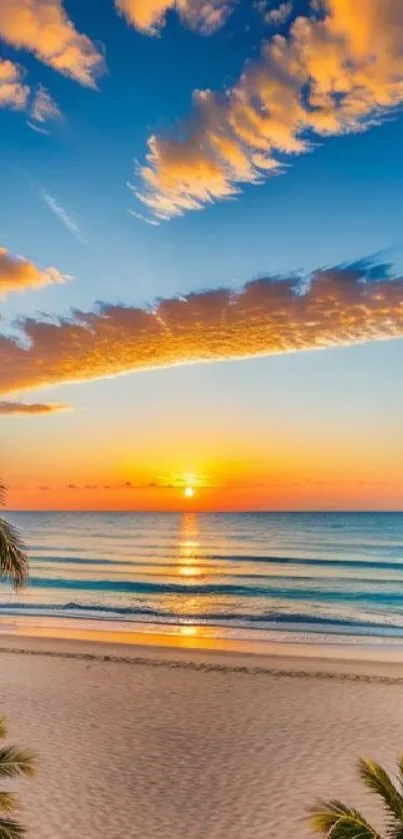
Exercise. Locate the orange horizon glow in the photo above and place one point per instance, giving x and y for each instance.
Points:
(221, 469)
(309, 496)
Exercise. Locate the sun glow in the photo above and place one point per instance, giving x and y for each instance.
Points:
(189, 492)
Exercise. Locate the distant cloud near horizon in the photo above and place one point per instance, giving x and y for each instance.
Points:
(149, 16)
(333, 307)
(44, 28)
(35, 409)
(18, 274)
(338, 71)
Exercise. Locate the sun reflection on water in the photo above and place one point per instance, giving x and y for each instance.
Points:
(189, 547)
(191, 567)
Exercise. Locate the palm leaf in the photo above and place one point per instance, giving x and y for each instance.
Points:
(3, 728)
(400, 764)
(336, 821)
(2, 493)
(15, 762)
(378, 781)
(13, 559)
(9, 829)
(8, 802)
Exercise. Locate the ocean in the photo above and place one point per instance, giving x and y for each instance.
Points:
(262, 576)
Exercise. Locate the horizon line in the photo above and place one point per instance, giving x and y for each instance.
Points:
(213, 512)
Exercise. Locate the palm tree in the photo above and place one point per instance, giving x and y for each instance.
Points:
(13, 560)
(13, 763)
(336, 821)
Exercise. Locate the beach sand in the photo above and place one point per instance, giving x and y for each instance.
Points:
(170, 744)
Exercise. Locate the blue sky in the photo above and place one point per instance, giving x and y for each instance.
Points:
(335, 204)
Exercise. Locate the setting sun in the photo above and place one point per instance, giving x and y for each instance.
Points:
(189, 492)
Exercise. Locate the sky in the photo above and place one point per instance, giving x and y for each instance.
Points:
(201, 284)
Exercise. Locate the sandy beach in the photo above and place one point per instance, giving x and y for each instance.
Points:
(175, 743)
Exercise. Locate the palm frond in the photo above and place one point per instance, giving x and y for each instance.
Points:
(10, 829)
(3, 493)
(15, 762)
(8, 802)
(13, 559)
(400, 776)
(336, 821)
(3, 728)
(378, 781)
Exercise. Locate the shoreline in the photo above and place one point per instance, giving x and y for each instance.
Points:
(370, 664)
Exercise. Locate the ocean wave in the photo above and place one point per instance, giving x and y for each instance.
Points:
(350, 564)
(269, 620)
(315, 562)
(379, 596)
(77, 560)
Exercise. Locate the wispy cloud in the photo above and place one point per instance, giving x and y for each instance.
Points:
(333, 307)
(62, 214)
(43, 27)
(339, 70)
(15, 93)
(204, 16)
(11, 408)
(43, 107)
(38, 129)
(150, 221)
(42, 110)
(171, 482)
(18, 274)
(13, 90)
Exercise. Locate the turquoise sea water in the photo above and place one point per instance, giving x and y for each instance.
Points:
(306, 576)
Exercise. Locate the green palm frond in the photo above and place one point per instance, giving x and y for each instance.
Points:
(400, 776)
(13, 559)
(8, 802)
(336, 821)
(9, 829)
(377, 780)
(15, 762)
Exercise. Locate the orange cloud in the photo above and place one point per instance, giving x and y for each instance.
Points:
(18, 274)
(43, 27)
(340, 306)
(9, 408)
(16, 94)
(334, 74)
(13, 92)
(204, 16)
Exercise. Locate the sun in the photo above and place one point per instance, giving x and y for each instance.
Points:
(189, 492)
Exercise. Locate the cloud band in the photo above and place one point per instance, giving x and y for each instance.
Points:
(333, 307)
